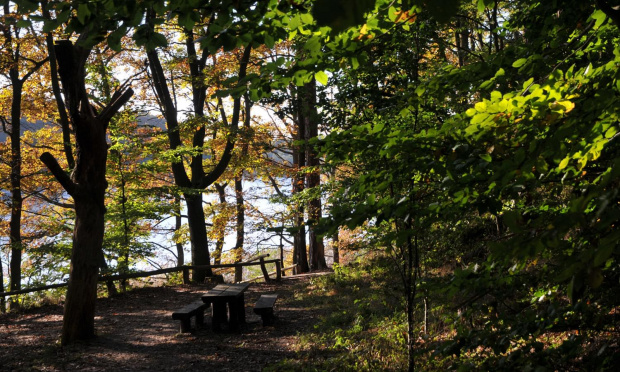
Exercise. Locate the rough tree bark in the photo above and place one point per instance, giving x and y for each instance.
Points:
(300, 258)
(219, 242)
(239, 197)
(177, 227)
(87, 185)
(310, 117)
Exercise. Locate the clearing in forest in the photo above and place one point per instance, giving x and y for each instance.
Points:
(136, 332)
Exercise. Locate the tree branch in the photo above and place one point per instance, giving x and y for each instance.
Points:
(221, 166)
(62, 177)
(119, 98)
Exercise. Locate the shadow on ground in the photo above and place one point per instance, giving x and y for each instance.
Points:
(136, 332)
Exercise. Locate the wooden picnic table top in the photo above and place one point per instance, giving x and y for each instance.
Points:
(225, 291)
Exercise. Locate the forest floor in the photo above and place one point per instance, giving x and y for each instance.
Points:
(135, 331)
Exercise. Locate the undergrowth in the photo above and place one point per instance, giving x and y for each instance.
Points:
(363, 327)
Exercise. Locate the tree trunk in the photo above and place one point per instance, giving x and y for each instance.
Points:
(79, 314)
(310, 117)
(105, 269)
(198, 236)
(245, 148)
(87, 186)
(220, 228)
(177, 227)
(60, 104)
(494, 27)
(300, 258)
(199, 178)
(336, 247)
(2, 299)
(15, 225)
(238, 251)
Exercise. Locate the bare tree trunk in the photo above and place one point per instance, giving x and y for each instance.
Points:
(198, 234)
(240, 226)
(220, 228)
(2, 299)
(87, 186)
(462, 41)
(310, 118)
(300, 258)
(336, 247)
(494, 27)
(103, 265)
(178, 223)
(15, 237)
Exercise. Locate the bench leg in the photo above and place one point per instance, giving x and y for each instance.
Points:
(200, 318)
(267, 317)
(186, 325)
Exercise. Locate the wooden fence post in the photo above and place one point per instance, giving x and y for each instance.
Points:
(278, 271)
(264, 269)
(185, 275)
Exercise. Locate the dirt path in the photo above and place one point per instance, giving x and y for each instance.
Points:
(136, 332)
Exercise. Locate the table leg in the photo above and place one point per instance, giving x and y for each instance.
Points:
(219, 315)
(233, 311)
(241, 305)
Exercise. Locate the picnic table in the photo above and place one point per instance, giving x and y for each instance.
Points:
(225, 297)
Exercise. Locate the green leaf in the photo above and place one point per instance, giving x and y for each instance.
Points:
(563, 163)
(519, 62)
(313, 45)
(50, 26)
(23, 23)
(599, 16)
(321, 77)
(269, 41)
(481, 107)
(307, 18)
(486, 157)
(611, 132)
(82, 13)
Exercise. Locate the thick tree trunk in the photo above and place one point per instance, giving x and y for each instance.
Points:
(79, 314)
(300, 258)
(15, 225)
(198, 236)
(87, 186)
(310, 117)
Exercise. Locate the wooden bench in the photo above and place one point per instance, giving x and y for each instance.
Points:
(185, 314)
(264, 308)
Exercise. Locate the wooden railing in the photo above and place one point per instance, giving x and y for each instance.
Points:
(185, 269)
